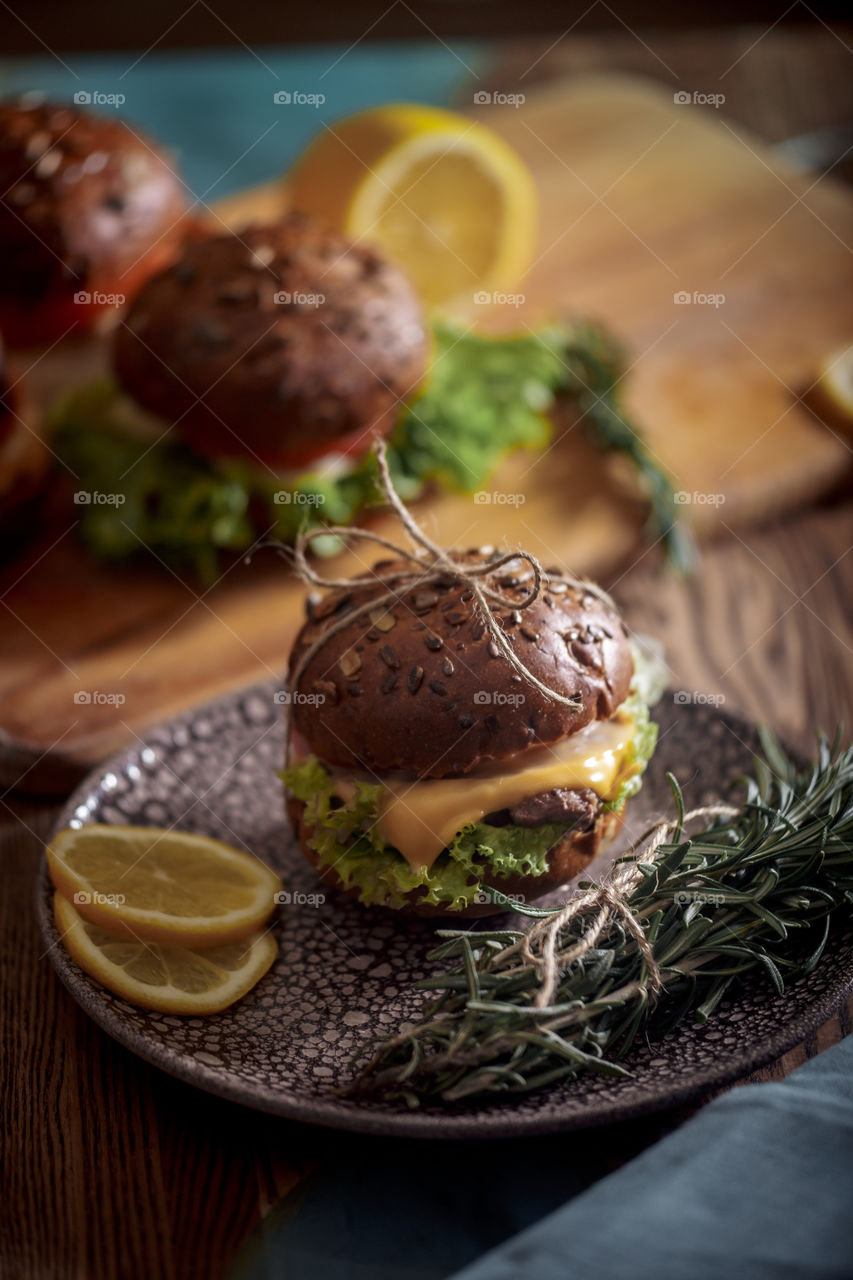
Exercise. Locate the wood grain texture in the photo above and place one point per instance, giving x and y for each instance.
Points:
(640, 199)
(109, 1168)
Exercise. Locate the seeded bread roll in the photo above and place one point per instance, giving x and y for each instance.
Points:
(420, 687)
(565, 861)
(280, 344)
(89, 207)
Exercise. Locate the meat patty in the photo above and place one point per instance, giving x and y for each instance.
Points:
(577, 808)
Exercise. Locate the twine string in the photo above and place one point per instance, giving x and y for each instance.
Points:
(425, 562)
(540, 947)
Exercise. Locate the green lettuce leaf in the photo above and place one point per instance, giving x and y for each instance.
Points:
(347, 838)
(483, 398)
(639, 752)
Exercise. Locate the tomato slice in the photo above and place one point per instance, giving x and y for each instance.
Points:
(39, 323)
(303, 453)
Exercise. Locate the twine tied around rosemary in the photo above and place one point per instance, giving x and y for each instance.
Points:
(539, 947)
(425, 562)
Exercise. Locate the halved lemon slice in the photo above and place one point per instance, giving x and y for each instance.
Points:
(164, 886)
(831, 397)
(169, 979)
(443, 196)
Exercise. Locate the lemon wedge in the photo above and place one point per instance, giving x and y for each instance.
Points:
(163, 886)
(169, 979)
(831, 397)
(443, 196)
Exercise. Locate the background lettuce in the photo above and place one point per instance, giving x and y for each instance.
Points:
(483, 398)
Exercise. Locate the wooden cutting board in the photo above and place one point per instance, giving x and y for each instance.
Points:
(642, 199)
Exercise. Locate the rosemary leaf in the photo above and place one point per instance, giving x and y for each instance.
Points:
(756, 891)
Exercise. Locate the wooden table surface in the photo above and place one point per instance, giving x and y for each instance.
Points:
(109, 1167)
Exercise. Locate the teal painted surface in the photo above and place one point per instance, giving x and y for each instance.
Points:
(217, 110)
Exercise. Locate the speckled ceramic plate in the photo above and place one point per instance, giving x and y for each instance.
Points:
(343, 972)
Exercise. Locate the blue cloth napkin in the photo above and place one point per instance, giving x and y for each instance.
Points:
(757, 1186)
(217, 109)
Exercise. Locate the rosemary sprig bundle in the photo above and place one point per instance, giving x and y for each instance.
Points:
(680, 920)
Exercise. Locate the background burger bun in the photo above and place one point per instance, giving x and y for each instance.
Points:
(565, 861)
(90, 208)
(278, 345)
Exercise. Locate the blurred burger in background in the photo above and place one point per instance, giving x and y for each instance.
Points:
(24, 463)
(280, 346)
(249, 379)
(89, 209)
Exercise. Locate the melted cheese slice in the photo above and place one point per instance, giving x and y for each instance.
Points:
(421, 818)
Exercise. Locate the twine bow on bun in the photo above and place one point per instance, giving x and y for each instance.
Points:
(425, 562)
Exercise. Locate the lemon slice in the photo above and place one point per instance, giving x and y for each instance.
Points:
(169, 979)
(163, 886)
(832, 395)
(443, 196)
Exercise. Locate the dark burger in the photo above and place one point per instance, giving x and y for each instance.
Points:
(250, 378)
(89, 209)
(425, 770)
